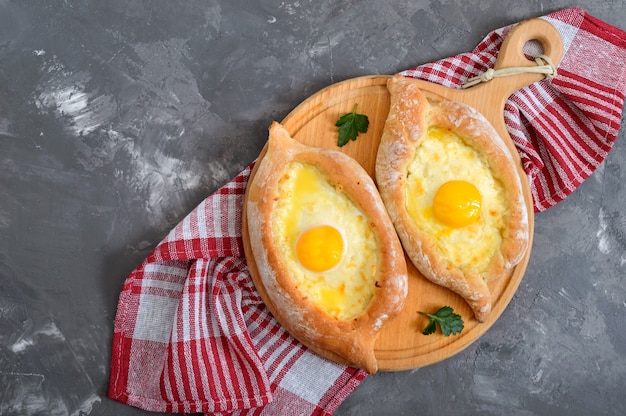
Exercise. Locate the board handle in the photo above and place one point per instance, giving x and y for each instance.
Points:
(512, 55)
(490, 97)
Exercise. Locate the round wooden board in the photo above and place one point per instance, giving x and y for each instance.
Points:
(400, 345)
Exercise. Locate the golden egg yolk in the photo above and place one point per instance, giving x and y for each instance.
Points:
(320, 248)
(457, 203)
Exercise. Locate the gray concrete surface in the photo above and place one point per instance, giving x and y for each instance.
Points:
(118, 117)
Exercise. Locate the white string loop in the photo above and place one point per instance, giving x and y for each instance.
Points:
(544, 66)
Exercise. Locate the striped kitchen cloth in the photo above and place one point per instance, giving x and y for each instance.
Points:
(191, 333)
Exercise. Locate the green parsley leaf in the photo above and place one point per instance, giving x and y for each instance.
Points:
(450, 323)
(350, 125)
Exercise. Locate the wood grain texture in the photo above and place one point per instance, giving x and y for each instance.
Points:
(401, 345)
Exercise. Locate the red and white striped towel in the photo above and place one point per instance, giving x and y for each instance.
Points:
(191, 333)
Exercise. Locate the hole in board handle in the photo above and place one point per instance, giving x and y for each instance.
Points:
(532, 49)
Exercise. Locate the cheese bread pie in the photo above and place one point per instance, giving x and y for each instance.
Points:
(452, 190)
(326, 251)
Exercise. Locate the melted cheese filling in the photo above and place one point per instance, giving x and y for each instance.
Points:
(306, 202)
(442, 157)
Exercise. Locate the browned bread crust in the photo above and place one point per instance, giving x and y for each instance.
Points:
(411, 113)
(350, 341)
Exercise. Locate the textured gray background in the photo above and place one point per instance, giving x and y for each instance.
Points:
(118, 117)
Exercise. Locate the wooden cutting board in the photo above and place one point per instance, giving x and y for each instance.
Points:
(401, 345)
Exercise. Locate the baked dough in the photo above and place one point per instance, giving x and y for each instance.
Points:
(414, 115)
(344, 324)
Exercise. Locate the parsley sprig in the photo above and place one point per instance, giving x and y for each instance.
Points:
(350, 125)
(450, 323)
